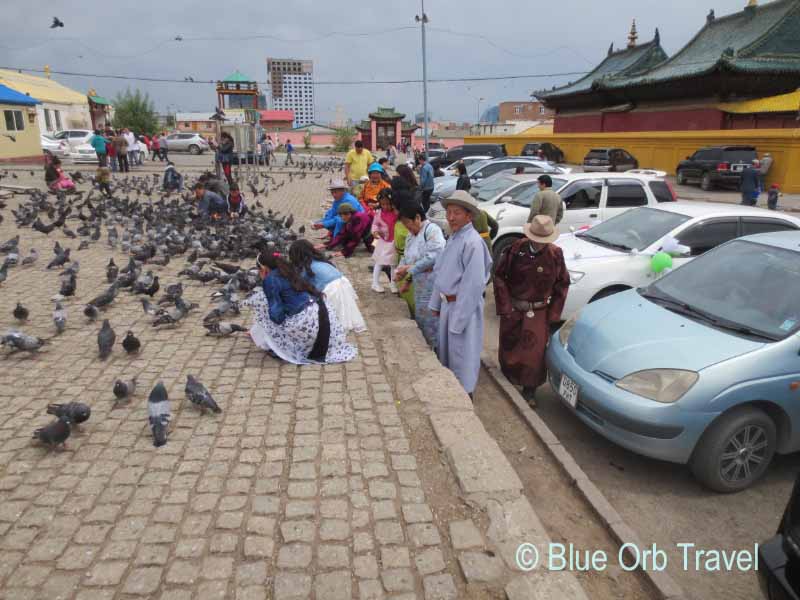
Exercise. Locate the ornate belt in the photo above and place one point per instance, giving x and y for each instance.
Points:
(449, 299)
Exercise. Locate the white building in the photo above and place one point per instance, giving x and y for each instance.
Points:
(291, 87)
(60, 108)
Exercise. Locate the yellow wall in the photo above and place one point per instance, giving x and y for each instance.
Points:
(664, 149)
(27, 145)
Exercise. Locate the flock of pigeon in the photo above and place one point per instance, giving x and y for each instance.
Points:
(152, 232)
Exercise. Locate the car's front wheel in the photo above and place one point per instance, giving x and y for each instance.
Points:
(706, 182)
(194, 149)
(501, 245)
(735, 450)
(680, 177)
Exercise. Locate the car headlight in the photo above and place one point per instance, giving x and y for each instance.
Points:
(575, 276)
(566, 329)
(661, 385)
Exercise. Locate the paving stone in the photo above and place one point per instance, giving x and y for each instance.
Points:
(253, 573)
(294, 556)
(331, 556)
(389, 532)
(365, 567)
(398, 580)
(362, 542)
(429, 561)
(106, 573)
(382, 490)
(395, 557)
(334, 530)
(183, 572)
(217, 567)
(143, 582)
(384, 509)
(291, 586)
(547, 585)
(298, 531)
(464, 534)
(334, 509)
(442, 587)
(370, 589)
(300, 508)
(417, 513)
(424, 534)
(479, 566)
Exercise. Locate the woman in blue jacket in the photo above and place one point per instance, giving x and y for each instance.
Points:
(292, 318)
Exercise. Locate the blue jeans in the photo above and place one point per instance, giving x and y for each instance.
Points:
(113, 161)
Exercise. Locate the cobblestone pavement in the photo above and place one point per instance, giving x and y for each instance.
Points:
(326, 482)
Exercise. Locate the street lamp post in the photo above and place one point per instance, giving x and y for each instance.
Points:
(478, 120)
(422, 20)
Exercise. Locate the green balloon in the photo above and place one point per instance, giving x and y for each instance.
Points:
(660, 261)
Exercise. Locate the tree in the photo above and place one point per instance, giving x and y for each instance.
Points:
(135, 111)
(307, 140)
(344, 138)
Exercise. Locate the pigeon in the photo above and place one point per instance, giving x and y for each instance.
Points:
(197, 393)
(111, 271)
(68, 285)
(106, 297)
(158, 414)
(3, 272)
(91, 312)
(105, 340)
(123, 390)
(32, 257)
(20, 312)
(148, 308)
(60, 318)
(21, 341)
(131, 343)
(77, 412)
(222, 328)
(59, 260)
(56, 23)
(56, 433)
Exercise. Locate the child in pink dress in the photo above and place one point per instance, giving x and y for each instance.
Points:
(383, 232)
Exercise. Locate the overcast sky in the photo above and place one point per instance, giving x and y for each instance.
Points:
(525, 37)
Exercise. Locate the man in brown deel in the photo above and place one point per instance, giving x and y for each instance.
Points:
(530, 288)
(546, 201)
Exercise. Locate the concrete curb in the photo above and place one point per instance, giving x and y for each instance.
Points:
(665, 585)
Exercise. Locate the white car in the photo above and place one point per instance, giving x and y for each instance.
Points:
(589, 198)
(51, 145)
(450, 170)
(83, 153)
(74, 137)
(615, 255)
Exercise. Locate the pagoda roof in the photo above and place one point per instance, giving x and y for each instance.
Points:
(386, 112)
(630, 60)
(238, 77)
(761, 39)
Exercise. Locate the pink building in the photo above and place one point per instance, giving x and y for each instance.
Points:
(321, 136)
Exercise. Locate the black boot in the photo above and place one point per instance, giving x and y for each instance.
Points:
(529, 394)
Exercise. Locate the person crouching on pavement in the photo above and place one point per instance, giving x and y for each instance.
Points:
(331, 219)
(209, 204)
(173, 181)
(356, 229)
(530, 288)
(236, 205)
(103, 179)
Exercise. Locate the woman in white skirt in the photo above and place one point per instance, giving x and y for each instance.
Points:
(315, 268)
(293, 320)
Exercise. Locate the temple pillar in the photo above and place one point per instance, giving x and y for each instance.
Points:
(373, 128)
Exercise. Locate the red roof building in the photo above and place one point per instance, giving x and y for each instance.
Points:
(275, 120)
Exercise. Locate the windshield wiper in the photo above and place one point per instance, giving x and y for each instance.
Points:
(689, 310)
(602, 242)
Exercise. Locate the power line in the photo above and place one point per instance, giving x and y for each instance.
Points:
(344, 82)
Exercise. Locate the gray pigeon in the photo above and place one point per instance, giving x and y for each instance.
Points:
(111, 271)
(158, 414)
(20, 341)
(105, 340)
(56, 433)
(124, 390)
(91, 312)
(78, 412)
(222, 328)
(32, 257)
(200, 396)
(60, 318)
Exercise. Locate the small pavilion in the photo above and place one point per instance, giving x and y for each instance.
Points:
(239, 90)
(384, 127)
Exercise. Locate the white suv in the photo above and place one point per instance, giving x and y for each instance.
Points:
(589, 198)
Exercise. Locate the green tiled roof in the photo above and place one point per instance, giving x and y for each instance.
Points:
(763, 38)
(386, 112)
(237, 77)
(99, 100)
(621, 62)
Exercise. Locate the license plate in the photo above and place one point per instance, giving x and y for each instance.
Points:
(568, 390)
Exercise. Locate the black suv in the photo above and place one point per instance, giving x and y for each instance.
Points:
(544, 150)
(609, 160)
(458, 152)
(716, 165)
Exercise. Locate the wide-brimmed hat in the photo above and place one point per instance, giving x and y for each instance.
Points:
(541, 229)
(464, 200)
(338, 184)
(345, 207)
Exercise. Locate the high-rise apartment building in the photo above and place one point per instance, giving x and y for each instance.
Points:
(291, 87)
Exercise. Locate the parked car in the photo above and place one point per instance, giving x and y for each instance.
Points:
(588, 199)
(505, 186)
(444, 186)
(615, 255)
(544, 150)
(193, 143)
(716, 166)
(779, 557)
(74, 137)
(699, 367)
(604, 160)
(450, 170)
(458, 152)
(82, 153)
(250, 159)
(52, 146)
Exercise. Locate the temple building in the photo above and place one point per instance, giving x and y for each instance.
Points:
(385, 126)
(707, 85)
(238, 91)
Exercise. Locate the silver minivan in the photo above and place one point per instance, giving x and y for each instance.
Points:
(193, 143)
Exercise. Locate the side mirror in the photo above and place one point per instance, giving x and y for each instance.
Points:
(504, 199)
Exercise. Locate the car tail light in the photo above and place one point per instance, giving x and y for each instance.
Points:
(671, 190)
(723, 166)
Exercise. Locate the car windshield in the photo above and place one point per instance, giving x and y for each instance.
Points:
(761, 301)
(492, 186)
(637, 228)
(523, 196)
(475, 167)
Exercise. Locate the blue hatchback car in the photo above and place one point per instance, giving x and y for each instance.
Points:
(702, 366)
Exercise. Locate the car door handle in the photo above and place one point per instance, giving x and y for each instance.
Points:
(593, 215)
